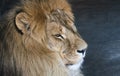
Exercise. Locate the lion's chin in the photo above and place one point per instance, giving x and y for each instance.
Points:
(75, 66)
(74, 69)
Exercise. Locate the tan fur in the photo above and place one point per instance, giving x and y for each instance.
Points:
(31, 36)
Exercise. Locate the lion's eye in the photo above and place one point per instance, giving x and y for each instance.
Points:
(59, 36)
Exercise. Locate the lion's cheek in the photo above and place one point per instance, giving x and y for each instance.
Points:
(55, 45)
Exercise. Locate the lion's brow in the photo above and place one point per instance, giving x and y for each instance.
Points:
(67, 26)
(62, 18)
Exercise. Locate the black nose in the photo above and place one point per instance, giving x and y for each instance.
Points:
(81, 51)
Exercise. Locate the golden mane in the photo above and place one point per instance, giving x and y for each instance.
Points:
(15, 52)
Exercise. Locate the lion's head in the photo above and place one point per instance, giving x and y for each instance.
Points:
(39, 29)
(58, 31)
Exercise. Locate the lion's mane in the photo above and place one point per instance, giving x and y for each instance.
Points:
(27, 57)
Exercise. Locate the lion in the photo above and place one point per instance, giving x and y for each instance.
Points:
(39, 38)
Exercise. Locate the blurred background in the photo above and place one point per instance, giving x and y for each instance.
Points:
(98, 22)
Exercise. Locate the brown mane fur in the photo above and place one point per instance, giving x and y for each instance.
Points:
(14, 53)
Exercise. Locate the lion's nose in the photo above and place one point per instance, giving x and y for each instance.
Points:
(81, 51)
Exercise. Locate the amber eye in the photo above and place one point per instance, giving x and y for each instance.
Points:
(59, 36)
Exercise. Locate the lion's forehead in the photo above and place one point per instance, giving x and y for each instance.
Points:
(63, 18)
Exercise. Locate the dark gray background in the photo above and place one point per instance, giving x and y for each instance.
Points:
(98, 21)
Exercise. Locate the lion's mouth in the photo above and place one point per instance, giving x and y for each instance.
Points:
(69, 64)
(74, 66)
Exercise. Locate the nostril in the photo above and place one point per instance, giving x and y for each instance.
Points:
(81, 51)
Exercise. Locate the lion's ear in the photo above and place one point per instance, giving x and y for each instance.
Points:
(22, 22)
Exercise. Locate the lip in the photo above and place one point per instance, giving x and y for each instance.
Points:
(69, 64)
(72, 64)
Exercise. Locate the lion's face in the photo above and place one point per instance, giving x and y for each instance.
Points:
(65, 39)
